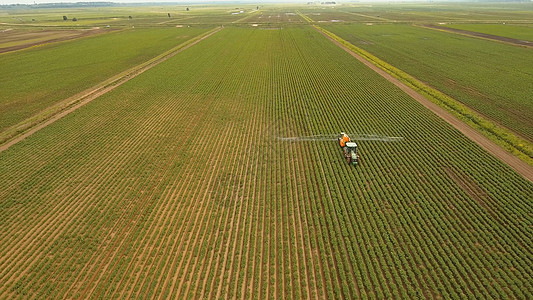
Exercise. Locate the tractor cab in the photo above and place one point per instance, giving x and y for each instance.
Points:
(350, 152)
(349, 148)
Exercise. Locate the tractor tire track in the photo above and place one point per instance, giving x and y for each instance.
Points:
(72, 210)
(126, 230)
(248, 188)
(206, 195)
(168, 198)
(226, 196)
(244, 176)
(485, 36)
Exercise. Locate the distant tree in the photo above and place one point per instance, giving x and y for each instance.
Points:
(130, 17)
(65, 18)
(74, 19)
(169, 15)
(187, 9)
(258, 8)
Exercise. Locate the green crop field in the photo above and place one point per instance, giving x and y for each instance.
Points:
(422, 12)
(492, 78)
(119, 16)
(216, 173)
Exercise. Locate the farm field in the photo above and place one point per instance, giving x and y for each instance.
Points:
(19, 39)
(516, 31)
(177, 184)
(35, 79)
(491, 78)
(86, 17)
(216, 173)
(422, 12)
(118, 17)
(281, 15)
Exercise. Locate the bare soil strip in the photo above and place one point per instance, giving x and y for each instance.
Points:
(368, 16)
(498, 38)
(515, 163)
(246, 17)
(472, 189)
(84, 33)
(105, 87)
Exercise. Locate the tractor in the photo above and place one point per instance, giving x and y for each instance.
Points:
(349, 148)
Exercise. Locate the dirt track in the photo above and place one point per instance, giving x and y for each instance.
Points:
(483, 35)
(102, 89)
(515, 163)
(79, 34)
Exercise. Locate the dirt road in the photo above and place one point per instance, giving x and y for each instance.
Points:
(515, 163)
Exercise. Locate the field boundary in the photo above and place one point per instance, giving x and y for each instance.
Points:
(474, 133)
(306, 18)
(480, 35)
(22, 130)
